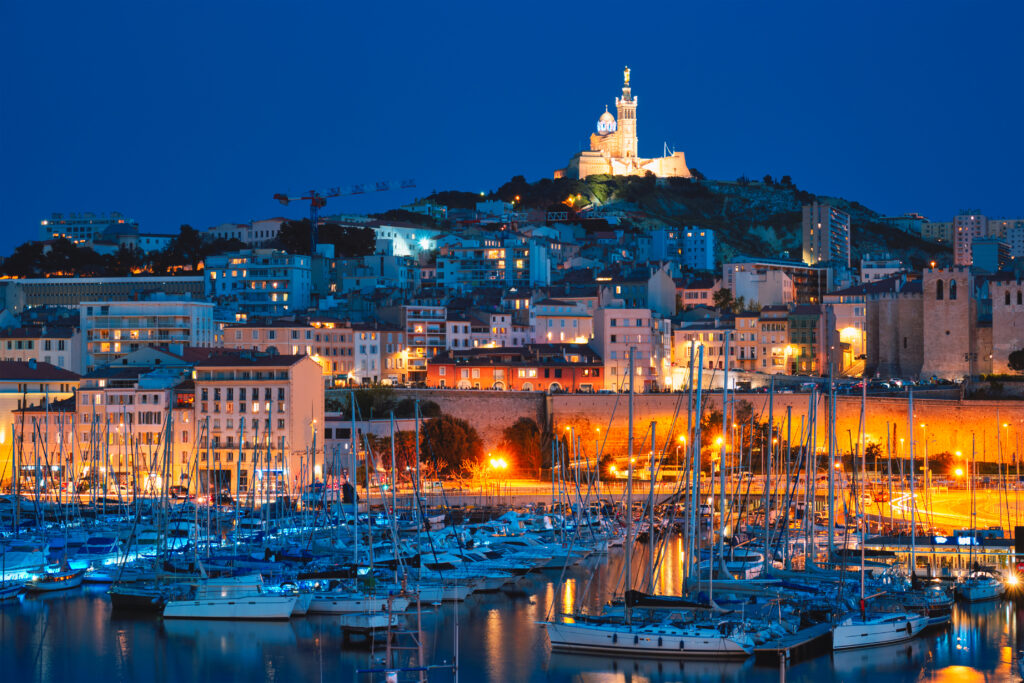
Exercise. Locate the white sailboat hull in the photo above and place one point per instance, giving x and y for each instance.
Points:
(335, 603)
(650, 642)
(978, 591)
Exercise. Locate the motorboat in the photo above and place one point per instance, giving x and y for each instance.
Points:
(865, 630)
(240, 598)
(335, 602)
(980, 586)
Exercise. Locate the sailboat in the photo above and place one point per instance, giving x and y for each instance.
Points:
(978, 585)
(666, 638)
(864, 629)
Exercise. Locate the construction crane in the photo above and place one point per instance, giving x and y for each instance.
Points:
(317, 200)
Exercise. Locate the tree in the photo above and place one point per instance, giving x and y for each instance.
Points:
(295, 236)
(348, 242)
(405, 451)
(723, 299)
(695, 174)
(1016, 360)
(450, 441)
(522, 440)
(787, 181)
(768, 180)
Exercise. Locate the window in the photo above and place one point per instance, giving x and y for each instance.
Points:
(938, 290)
(952, 290)
(1007, 301)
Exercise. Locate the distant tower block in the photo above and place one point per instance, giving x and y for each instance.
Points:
(614, 148)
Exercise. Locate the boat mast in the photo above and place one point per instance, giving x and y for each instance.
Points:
(354, 480)
(861, 489)
(721, 462)
(629, 490)
(650, 511)
(695, 517)
(913, 502)
(768, 473)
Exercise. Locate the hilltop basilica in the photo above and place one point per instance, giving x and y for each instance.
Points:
(613, 148)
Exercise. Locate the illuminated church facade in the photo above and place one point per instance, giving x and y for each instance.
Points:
(613, 148)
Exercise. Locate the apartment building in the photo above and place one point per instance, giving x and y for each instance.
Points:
(498, 259)
(967, 227)
(558, 320)
(826, 235)
(24, 384)
(616, 331)
(128, 419)
(264, 416)
(260, 282)
(56, 345)
(534, 367)
(111, 330)
(425, 334)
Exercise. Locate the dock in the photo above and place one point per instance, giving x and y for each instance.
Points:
(810, 639)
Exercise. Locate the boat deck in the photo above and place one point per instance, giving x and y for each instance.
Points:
(810, 638)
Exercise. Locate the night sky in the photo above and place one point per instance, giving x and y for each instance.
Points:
(198, 112)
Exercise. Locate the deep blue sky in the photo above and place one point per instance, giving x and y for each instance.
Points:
(198, 112)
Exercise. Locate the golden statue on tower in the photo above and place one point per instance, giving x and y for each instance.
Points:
(625, 76)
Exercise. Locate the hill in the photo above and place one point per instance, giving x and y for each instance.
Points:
(752, 218)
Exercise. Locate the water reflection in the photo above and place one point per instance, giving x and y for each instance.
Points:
(73, 637)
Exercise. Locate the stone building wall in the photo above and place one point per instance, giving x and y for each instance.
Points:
(949, 323)
(1007, 322)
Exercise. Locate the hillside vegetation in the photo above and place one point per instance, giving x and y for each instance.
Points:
(752, 218)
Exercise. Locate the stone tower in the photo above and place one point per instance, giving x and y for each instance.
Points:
(626, 107)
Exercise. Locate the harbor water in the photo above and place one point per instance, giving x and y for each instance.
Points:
(73, 636)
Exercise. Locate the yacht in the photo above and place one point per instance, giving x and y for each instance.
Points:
(979, 586)
(857, 630)
(653, 640)
(232, 598)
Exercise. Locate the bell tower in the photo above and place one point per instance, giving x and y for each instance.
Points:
(626, 107)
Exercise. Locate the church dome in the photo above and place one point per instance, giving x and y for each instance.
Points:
(606, 124)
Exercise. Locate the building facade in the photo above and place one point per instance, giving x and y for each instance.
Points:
(260, 282)
(113, 329)
(826, 235)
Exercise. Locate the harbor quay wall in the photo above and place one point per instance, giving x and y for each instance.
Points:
(949, 427)
(950, 424)
(489, 412)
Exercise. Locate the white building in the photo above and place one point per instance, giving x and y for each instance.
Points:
(399, 240)
(557, 320)
(966, 228)
(260, 282)
(113, 329)
(80, 227)
(616, 331)
(254, 234)
(1015, 238)
(697, 248)
(879, 267)
(826, 235)
(763, 287)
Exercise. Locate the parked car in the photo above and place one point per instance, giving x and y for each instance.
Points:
(178, 492)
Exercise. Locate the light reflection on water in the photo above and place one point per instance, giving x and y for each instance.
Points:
(72, 637)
